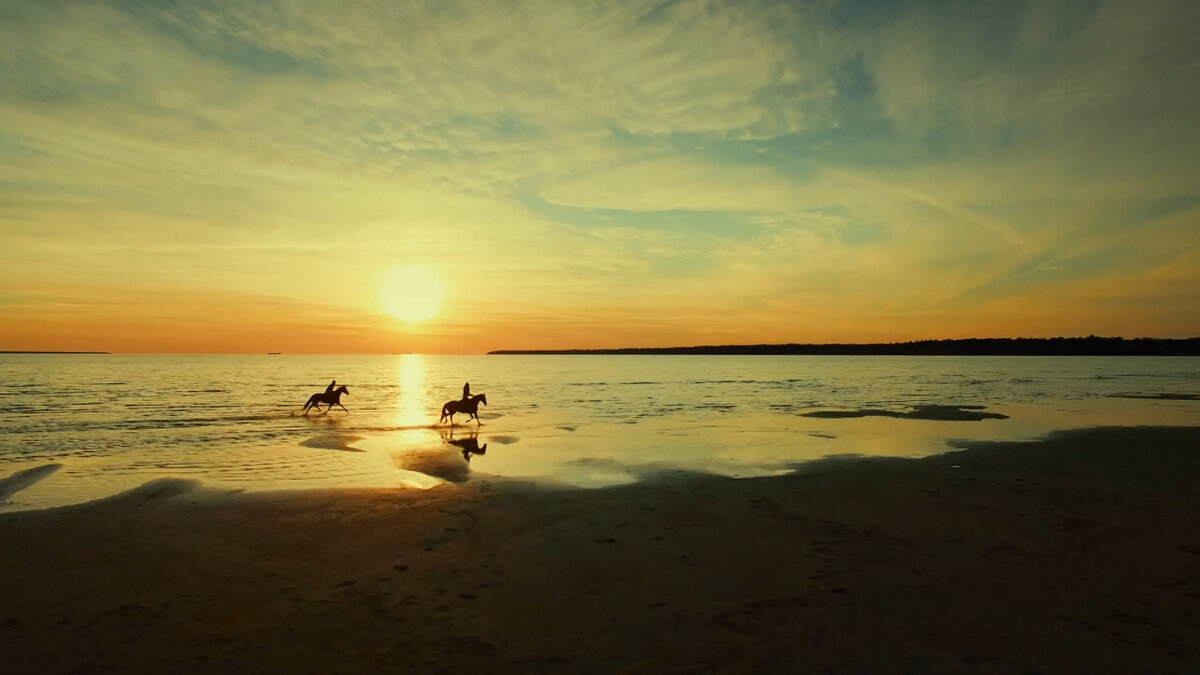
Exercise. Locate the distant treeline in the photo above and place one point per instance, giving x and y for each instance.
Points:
(1059, 346)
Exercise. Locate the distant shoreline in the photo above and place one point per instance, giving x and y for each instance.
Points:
(5, 351)
(1081, 346)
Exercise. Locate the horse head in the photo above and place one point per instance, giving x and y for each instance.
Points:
(342, 390)
(482, 398)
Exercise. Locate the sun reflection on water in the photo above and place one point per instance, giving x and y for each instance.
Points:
(414, 404)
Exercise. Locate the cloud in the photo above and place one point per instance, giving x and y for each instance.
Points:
(736, 166)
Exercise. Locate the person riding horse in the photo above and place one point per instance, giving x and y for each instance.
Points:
(470, 406)
(330, 397)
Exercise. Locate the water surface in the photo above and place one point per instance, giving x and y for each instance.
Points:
(114, 421)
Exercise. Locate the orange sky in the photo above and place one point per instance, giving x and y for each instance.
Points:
(249, 178)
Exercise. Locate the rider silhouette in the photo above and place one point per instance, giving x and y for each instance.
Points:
(466, 391)
(329, 389)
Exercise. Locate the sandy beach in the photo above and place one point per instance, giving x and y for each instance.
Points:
(1075, 553)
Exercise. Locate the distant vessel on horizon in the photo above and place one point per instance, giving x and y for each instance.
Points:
(274, 353)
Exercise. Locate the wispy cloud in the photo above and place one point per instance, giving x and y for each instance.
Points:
(750, 171)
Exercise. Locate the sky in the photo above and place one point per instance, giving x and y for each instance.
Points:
(210, 176)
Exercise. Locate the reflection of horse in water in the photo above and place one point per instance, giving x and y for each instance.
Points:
(470, 446)
(470, 406)
(331, 399)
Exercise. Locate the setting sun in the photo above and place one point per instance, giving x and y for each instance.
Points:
(576, 175)
(412, 293)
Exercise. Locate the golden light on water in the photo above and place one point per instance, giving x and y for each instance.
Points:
(412, 293)
(414, 410)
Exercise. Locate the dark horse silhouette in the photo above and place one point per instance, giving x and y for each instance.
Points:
(470, 446)
(470, 406)
(331, 399)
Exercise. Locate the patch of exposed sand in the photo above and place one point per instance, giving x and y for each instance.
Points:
(1074, 553)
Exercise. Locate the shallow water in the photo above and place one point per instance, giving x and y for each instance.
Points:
(114, 422)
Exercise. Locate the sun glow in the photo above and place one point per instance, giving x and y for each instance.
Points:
(412, 293)
(413, 405)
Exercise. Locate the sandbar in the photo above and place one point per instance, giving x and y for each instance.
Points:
(1077, 552)
(944, 413)
(23, 479)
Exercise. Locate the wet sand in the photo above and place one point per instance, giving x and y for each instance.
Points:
(1079, 552)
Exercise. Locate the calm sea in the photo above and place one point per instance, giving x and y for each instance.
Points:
(114, 422)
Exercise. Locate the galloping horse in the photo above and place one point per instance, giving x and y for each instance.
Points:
(470, 406)
(331, 399)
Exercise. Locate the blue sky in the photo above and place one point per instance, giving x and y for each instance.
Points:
(223, 176)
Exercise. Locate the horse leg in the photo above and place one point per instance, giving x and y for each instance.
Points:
(340, 406)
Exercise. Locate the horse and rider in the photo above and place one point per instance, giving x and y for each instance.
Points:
(331, 397)
(468, 404)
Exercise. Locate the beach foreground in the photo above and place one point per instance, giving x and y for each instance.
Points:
(1076, 552)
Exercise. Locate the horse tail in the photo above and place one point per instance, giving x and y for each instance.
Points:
(311, 401)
